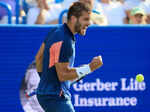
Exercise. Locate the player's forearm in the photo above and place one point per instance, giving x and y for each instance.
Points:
(65, 73)
(75, 73)
(69, 74)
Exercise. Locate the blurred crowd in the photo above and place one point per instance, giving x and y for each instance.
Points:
(105, 12)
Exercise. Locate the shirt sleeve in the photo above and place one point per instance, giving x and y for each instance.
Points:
(66, 52)
(54, 53)
(60, 51)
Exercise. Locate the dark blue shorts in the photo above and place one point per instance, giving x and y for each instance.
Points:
(55, 103)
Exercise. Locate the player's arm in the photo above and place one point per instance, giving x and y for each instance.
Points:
(39, 58)
(65, 73)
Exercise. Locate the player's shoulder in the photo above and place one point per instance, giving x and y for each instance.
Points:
(62, 33)
(59, 34)
(59, 30)
(55, 35)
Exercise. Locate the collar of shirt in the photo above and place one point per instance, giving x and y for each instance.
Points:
(69, 31)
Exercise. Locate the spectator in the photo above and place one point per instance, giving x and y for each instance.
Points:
(43, 13)
(96, 18)
(138, 16)
(114, 11)
(146, 6)
(129, 5)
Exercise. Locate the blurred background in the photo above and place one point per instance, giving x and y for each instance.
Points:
(111, 12)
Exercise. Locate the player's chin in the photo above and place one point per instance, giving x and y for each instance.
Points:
(83, 32)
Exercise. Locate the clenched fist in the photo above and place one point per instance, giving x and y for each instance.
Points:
(96, 63)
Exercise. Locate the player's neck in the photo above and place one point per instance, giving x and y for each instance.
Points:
(71, 27)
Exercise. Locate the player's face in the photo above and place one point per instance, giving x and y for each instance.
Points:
(82, 23)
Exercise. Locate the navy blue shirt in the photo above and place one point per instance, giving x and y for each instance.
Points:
(59, 47)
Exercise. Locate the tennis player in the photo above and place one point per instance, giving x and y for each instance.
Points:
(58, 58)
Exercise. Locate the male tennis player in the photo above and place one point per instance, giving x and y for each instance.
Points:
(59, 52)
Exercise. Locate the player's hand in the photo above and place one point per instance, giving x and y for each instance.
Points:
(96, 63)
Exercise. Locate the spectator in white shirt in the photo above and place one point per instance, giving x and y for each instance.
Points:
(44, 13)
(114, 12)
(96, 18)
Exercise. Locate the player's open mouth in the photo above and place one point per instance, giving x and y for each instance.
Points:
(84, 28)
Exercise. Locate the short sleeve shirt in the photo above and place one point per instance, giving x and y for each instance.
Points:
(59, 47)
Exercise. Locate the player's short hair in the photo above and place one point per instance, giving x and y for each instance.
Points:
(77, 8)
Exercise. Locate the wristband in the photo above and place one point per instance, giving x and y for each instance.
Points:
(83, 71)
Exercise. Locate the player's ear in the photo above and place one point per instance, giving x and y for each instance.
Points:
(73, 19)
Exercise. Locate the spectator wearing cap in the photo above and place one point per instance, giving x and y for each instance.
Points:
(129, 5)
(137, 16)
(146, 6)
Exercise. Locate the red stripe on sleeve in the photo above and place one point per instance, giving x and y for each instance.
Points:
(54, 53)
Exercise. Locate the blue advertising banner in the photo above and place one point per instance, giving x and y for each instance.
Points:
(112, 88)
